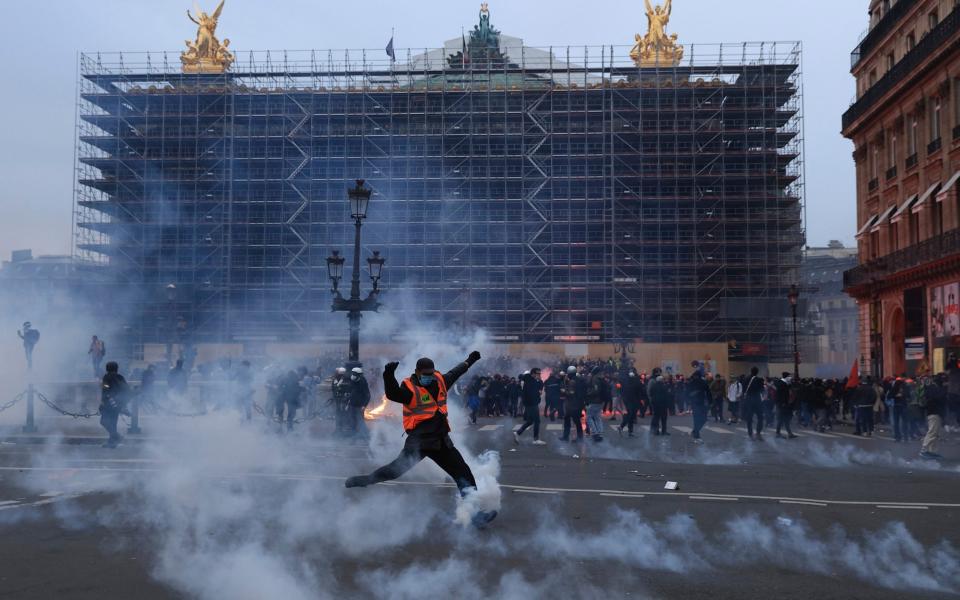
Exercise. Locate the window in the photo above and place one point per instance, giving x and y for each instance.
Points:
(892, 150)
(933, 18)
(890, 61)
(937, 217)
(912, 41)
(873, 77)
(874, 161)
(934, 119)
(912, 140)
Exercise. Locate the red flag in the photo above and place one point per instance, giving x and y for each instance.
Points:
(854, 379)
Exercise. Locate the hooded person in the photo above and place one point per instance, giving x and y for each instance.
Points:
(113, 397)
(359, 398)
(423, 396)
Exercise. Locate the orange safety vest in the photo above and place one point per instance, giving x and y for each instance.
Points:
(423, 405)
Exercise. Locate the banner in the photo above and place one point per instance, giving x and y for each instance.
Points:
(937, 321)
(951, 308)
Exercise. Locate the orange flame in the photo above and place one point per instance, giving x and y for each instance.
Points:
(378, 411)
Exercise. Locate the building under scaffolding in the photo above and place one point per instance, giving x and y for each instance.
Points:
(553, 194)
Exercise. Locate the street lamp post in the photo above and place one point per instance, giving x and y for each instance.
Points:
(355, 306)
(794, 296)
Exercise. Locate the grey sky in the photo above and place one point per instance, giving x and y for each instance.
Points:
(39, 43)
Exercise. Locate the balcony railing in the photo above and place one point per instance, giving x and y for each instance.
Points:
(912, 161)
(934, 146)
(873, 185)
(907, 67)
(935, 248)
(880, 30)
(891, 173)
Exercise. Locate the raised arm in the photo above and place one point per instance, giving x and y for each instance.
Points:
(666, 8)
(451, 376)
(391, 388)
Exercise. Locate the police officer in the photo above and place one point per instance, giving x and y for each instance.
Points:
(112, 402)
(572, 405)
(359, 398)
(339, 394)
(424, 399)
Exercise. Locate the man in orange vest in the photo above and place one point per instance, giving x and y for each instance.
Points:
(424, 399)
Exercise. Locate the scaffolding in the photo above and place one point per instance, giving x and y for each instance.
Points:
(543, 194)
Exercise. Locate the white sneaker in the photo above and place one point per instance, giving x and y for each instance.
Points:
(539, 443)
(516, 438)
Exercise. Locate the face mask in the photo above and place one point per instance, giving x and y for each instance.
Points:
(354, 377)
(427, 379)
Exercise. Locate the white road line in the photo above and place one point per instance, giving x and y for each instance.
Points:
(721, 498)
(554, 427)
(903, 507)
(718, 430)
(803, 502)
(525, 491)
(621, 495)
(490, 427)
(682, 429)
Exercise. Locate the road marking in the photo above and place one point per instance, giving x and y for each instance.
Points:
(818, 434)
(682, 429)
(718, 430)
(520, 488)
(904, 507)
(803, 502)
(621, 495)
(554, 427)
(490, 427)
(721, 498)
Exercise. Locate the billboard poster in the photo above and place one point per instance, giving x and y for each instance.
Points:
(937, 320)
(915, 348)
(951, 308)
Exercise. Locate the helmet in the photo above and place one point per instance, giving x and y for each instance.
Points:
(571, 370)
(341, 370)
(357, 370)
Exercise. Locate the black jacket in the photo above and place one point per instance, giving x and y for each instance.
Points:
(531, 390)
(359, 392)
(113, 392)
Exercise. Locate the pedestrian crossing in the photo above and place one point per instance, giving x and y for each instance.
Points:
(724, 431)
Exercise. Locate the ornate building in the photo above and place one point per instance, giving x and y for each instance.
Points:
(905, 126)
(563, 194)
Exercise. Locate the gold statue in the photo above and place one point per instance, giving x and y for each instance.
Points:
(657, 48)
(206, 54)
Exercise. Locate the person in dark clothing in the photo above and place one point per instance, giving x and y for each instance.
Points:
(572, 405)
(288, 397)
(532, 388)
(148, 383)
(785, 399)
(753, 403)
(30, 337)
(244, 389)
(953, 388)
(596, 393)
(424, 399)
(660, 400)
(698, 399)
(935, 408)
(113, 398)
(552, 406)
(898, 394)
(359, 399)
(865, 399)
(632, 392)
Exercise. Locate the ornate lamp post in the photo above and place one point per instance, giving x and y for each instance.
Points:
(354, 306)
(794, 296)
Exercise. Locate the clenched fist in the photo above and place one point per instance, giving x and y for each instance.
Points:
(391, 367)
(474, 356)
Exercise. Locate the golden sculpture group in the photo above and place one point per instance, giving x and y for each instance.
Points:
(657, 48)
(206, 54)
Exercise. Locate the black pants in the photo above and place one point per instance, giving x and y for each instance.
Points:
(784, 416)
(108, 418)
(572, 417)
(531, 416)
(659, 422)
(717, 409)
(444, 454)
(630, 419)
(751, 408)
(699, 420)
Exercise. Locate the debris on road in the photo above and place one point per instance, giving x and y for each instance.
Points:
(671, 485)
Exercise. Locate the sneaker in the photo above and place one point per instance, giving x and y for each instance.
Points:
(698, 440)
(516, 438)
(483, 518)
(539, 443)
(356, 481)
(926, 455)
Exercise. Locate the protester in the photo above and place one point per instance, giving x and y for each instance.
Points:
(532, 390)
(96, 351)
(113, 399)
(753, 404)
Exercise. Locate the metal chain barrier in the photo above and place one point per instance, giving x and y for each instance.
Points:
(68, 413)
(10, 404)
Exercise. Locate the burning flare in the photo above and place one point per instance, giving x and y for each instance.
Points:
(377, 412)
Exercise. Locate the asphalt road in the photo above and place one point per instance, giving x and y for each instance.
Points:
(827, 516)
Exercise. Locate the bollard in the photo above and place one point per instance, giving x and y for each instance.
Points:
(30, 427)
(134, 415)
